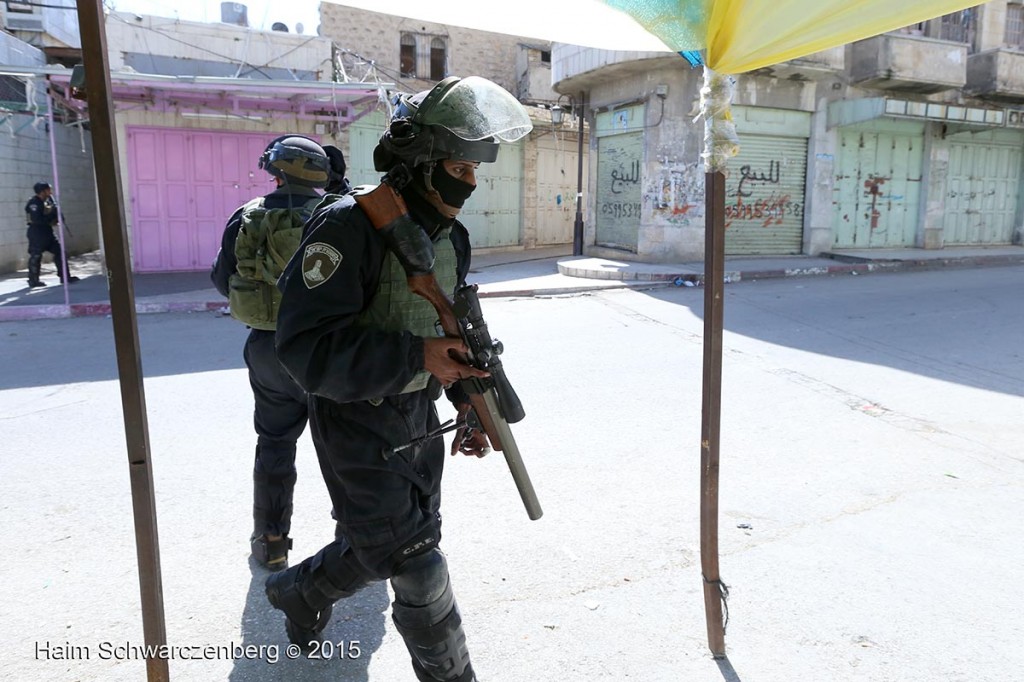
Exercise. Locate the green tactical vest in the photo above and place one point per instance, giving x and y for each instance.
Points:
(395, 308)
(265, 243)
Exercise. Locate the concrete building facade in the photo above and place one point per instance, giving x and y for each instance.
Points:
(527, 198)
(909, 139)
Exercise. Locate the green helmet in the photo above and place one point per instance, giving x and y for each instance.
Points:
(297, 160)
(459, 118)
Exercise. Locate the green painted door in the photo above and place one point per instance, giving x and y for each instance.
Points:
(363, 136)
(493, 214)
(878, 185)
(982, 188)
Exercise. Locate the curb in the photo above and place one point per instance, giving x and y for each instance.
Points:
(640, 280)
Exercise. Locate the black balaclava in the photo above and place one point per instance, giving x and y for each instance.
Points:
(453, 191)
(426, 213)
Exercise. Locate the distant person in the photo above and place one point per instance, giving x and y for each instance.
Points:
(258, 240)
(42, 215)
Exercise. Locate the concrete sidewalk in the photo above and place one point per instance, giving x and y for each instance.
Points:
(537, 272)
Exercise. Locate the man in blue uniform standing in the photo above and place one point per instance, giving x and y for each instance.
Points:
(42, 215)
(367, 351)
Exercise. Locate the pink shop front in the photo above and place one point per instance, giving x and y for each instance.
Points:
(189, 149)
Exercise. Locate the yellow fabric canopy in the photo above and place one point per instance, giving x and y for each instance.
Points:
(742, 35)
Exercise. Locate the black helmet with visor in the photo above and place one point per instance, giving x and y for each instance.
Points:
(459, 118)
(296, 160)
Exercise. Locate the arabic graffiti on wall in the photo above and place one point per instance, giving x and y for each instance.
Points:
(677, 193)
(758, 195)
(620, 171)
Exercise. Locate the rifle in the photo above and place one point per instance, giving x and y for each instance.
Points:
(494, 401)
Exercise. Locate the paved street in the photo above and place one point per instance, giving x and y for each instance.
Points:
(872, 491)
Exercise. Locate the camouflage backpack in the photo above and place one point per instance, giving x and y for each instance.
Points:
(265, 243)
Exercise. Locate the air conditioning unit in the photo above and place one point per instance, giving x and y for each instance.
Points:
(25, 23)
(1015, 118)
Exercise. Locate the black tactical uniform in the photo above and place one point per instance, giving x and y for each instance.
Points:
(281, 407)
(353, 335)
(42, 216)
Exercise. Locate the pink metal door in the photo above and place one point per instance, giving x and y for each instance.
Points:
(183, 187)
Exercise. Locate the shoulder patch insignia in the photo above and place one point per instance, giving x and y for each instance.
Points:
(319, 262)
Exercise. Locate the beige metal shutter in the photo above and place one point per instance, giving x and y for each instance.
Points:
(764, 196)
(982, 190)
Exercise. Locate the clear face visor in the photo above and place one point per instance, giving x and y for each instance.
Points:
(477, 109)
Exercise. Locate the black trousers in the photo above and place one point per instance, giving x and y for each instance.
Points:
(383, 505)
(40, 239)
(280, 416)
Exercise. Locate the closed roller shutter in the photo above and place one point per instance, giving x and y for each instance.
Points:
(764, 212)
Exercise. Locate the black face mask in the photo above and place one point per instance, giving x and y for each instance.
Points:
(453, 191)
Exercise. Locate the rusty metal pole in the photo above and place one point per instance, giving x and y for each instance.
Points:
(711, 408)
(126, 333)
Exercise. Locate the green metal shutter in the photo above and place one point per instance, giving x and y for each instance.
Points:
(764, 196)
(493, 214)
(620, 158)
(363, 136)
(982, 190)
(878, 184)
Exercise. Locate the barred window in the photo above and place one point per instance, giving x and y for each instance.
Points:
(438, 59)
(959, 27)
(1015, 25)
(12, 90)
(407, 56)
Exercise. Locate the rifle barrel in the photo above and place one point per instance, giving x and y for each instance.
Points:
(514, 460)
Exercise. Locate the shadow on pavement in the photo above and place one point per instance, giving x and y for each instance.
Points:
(50, 352)
(959, 326)
(354, 634)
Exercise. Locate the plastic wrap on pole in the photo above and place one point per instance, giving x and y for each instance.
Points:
(720, 140)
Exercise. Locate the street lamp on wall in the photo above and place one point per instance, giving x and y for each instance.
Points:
(557, 116)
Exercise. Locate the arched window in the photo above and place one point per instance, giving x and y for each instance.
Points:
(438, 57)
(407, 56)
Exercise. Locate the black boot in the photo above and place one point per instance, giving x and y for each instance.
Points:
(272, 554)
(35, 263)
(303, 623)
(306, 593)
(271, 517)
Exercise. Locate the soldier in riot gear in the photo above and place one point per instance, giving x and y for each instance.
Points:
(264, 229)
(367, 351)
(42, 215)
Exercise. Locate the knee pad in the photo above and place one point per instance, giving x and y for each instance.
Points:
(421, 580)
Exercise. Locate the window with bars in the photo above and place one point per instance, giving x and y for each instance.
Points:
(12, 91)
(1015, 25)
(407, 56)
(959, 26)
(438, 59)
(423, 56)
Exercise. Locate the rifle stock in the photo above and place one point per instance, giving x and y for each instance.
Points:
(388, 213)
